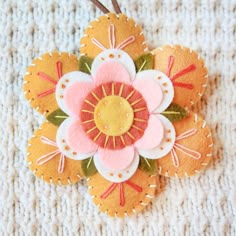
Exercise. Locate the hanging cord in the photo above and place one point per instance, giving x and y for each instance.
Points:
(116, 6)
(99, 5)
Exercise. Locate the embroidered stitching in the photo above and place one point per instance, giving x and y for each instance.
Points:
(112, 40)
(191, 153)
(47, 157)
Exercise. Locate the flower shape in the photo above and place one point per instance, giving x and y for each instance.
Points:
(118, 115)
(114, 115)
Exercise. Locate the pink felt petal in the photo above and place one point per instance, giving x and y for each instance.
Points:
(112, 71)
(78, 140)
(150, 90)
(153, 134)
(117, 159)
(75, 95)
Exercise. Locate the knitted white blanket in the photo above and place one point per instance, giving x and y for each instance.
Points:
(201, 205)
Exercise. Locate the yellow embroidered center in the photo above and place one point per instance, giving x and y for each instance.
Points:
(113, 115)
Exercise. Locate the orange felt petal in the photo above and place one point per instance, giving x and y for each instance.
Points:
(122, 199)
(192, 150)
(97, 36)
(41, 78)
(46, 163)
(186, 70)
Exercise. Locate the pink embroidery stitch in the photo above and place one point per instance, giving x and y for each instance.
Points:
(126, 42)
(183, 85)
(170, 65)
(112, 40)
(47, 157)
(59, 69)
(191, 153)
(134, 186)
(122, 194)
(45, 93)
(174, 157)
(98, 44)
(113, 186)
(108, 191)
(46, 77)
(182, 72)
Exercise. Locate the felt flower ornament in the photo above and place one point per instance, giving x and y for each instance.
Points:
(118, 115)
(114, 115)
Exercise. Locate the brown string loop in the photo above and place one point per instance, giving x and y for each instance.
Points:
(99, 5)
(116, 6)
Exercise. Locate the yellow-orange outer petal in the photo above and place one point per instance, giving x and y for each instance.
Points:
(124, 28)
(134, 201)
(49, 171)
(201, 142)
(35, 85)
(183, 58)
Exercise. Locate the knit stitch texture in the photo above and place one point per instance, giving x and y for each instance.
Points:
(201, 205)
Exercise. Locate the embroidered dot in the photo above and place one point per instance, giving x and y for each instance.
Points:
(67, 81)
(159, 78)
(111, 55)
(165, 91)
(161, 148)
(67, 148)
(74, 153)
(120, 175)
(61, 96)
(165, 84)
(63, 140)
(63, 86)
(168, 140)
(111, 174)
(103, 59)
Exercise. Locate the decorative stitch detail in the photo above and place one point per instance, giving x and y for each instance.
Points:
(47, 157)
(191, 153)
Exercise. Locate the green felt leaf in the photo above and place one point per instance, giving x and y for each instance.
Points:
(57, 117)
(148, 165)
(144, 62)
(88, 167)
(175, 112)
(85, 64)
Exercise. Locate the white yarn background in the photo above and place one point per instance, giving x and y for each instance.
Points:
(201, 205)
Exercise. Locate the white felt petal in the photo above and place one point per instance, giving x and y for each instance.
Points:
(165, 85)
(63, 145)
(116, 176)
(114, 55)
(166, 144)
(65, 82)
